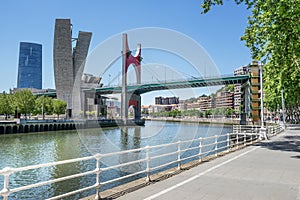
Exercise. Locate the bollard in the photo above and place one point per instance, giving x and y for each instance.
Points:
(263, 133)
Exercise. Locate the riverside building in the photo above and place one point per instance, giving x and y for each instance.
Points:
(30, 66)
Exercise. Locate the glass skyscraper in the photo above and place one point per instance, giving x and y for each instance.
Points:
(30, 66)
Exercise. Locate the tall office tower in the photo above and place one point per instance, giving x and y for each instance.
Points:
(30, 66)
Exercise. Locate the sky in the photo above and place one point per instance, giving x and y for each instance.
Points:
(218, 32)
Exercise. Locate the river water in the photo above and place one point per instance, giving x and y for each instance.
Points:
(19, 150)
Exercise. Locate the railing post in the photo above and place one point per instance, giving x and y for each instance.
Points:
(178, 157)
(148, 164)
(98, 170)
(245, 139)
(200, 149)
(228, 142)
(5, 191)
(237, 140)
(216, 145)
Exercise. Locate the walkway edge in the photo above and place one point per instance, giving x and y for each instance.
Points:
(199, 175)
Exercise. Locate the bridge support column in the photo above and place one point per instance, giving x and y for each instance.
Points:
(135, 100)
(127, 60)
(124, 102)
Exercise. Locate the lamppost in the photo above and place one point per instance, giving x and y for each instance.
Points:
(283, 109)
(43, 115)
(262, 128)
(109, 80)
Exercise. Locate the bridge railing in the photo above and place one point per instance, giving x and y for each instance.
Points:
(155, 158)
(173, 80)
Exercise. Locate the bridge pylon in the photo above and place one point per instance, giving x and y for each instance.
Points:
(127, 60)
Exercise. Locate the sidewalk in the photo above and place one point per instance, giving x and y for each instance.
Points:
(268, 170)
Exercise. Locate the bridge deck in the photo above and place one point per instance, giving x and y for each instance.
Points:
(268, 170)
(179, 84)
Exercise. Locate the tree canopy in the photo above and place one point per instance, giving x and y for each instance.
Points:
(273, 36)
(43, 105)
(24, 101)
(6, 104)
(59, 107)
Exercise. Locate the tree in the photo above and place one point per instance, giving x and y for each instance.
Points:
(273, 36)
(6, 106)
(24, 101)
(207, 113)
(59, 107)
(230, 88)
(229, 112)
(208, 3)
(43, 104)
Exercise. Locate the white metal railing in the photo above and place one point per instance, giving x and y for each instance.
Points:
(199, 148)
(249, 129)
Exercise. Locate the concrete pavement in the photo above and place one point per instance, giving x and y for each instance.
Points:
(267, 170)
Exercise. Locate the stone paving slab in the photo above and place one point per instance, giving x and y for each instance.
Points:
(267, 170)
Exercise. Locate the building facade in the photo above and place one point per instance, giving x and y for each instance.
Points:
(237, 88)
(206, 103)
(30, 66)
(166, 100)
(224, 99)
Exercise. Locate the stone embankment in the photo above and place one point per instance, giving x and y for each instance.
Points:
(229, 121)
(27, 126)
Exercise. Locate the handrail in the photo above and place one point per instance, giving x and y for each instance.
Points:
(178, 80)
(242, 135)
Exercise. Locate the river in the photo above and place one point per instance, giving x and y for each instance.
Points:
(18, 150)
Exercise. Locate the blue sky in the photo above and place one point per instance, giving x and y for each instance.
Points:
(218, 31)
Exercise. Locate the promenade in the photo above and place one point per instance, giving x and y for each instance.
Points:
(267, 170)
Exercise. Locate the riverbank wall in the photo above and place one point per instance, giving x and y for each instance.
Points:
(28, 126)
(226, 121)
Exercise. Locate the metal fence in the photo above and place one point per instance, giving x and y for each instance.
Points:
(180, 152)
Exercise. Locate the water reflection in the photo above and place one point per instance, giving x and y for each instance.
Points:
(67, 148)
(130, 141)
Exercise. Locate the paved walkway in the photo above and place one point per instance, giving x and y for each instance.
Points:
(268, 170)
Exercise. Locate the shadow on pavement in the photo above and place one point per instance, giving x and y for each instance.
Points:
(288, 143)
(296, 157)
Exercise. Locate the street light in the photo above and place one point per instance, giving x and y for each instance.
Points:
(283, 109)
(109, 80)
(43, 115)
(262, 128)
